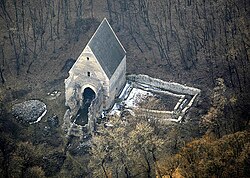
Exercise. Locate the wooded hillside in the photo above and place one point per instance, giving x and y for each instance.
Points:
(202, 43)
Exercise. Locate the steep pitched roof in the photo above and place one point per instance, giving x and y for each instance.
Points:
(107, 48)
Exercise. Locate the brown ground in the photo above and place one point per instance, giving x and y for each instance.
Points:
(46, 75)
(159, 102)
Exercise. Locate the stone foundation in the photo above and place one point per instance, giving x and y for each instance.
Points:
(186, 95)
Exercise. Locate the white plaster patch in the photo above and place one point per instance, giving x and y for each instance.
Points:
(115, 110)
(53, 95)
(130, 97)
(135, 97)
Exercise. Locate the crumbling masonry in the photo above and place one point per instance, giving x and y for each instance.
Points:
(99, 71)
(98, 77)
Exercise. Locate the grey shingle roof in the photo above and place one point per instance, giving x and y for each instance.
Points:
(107, 48)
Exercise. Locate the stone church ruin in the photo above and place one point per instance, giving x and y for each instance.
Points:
(95, 79)
(98, 77)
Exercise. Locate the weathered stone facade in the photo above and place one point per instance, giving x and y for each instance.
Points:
(101, 67)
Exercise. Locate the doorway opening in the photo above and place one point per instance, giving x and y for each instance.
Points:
(82, 114)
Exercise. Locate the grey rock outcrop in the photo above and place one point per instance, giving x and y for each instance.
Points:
(29, 111)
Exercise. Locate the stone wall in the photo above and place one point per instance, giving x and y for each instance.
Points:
(117, 82)
(95, 110)
(170, 86)
(86, 71)
(105, 91)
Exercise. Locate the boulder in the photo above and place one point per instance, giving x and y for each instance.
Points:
(30, 111)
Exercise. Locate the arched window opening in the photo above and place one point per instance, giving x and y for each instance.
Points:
(88, 74)
(87, 58)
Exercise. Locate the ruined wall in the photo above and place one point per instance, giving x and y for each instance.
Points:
(74, 90)
(187, 96)
(170, 86)
(95, 110)
(86, 72)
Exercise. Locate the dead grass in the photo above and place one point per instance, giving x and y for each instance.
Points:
(159, 102)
